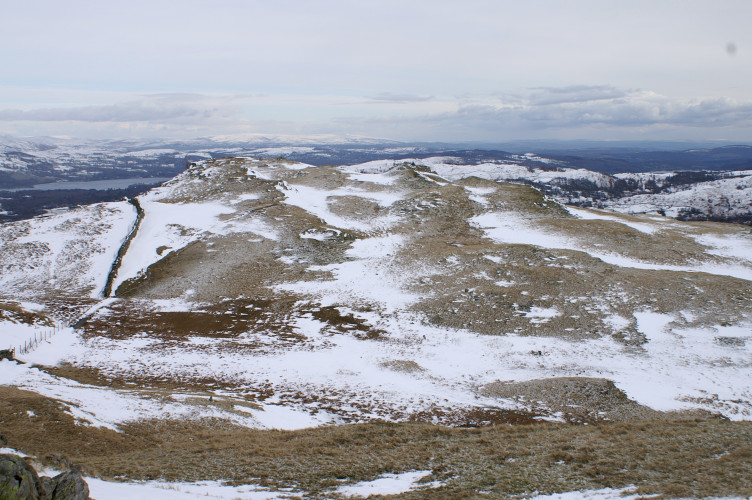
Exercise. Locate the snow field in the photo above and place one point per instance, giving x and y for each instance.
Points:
(73, 250)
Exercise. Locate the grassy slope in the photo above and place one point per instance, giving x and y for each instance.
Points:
(691, 458)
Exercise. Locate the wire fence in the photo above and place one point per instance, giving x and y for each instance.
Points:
(62, 321)
(39, 337)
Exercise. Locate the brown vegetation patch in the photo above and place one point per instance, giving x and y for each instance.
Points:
(608, 236)
(268, 317)
(40, 426)
(14, 313)
(345, 322)
(689, 458)
(475, 417)
(231, 179)
(476, 293)
(160, 386)
(524, 201)
(355, 207)
(403, 365)
(225, 319)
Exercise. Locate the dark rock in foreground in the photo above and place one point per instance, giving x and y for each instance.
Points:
(19, 480)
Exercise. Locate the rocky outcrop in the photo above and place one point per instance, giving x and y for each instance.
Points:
(69, 486)
(19, 480)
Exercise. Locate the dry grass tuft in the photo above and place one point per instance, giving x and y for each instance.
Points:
(403, 365)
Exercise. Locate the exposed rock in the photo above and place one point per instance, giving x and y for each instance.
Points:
(19, 480)
(70, 486)
(576, 399)
(47, 486)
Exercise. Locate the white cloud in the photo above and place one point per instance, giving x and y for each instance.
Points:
(574, 93)
(155, 108)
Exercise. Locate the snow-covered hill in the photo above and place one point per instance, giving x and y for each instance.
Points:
(298, 295)
(724, 196)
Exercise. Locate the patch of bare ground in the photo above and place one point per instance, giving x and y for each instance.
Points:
(326, 178)
(270, 317)
(671, 458)
(15, 313)
(148, 385)
(57, 309)
(219, 179)
(354, 207)
(470, 282)
(666, 247)
(496, 289)
(499, 299)
(525, 201)
(578, 400)
(228, 318)
(243, 263)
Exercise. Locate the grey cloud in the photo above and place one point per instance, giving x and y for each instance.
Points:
(638, 111)
(399, 98)
(574, 94)
(579, 106)
(627, 114)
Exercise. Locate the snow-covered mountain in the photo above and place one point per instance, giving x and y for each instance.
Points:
(384, 290)
(28, 161)
(697, 187)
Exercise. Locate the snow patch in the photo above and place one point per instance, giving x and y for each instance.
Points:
(388, 484)
(541, 314)
(180, 491)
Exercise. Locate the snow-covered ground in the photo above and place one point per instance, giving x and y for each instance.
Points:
(71, 250)
(722, 198)
(389, 484)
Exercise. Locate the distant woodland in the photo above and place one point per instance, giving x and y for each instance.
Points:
(19, 205)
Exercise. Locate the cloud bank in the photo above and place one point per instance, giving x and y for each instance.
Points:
(580, 111)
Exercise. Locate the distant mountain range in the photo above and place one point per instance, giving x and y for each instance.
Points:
(25, 162)
(693, 184)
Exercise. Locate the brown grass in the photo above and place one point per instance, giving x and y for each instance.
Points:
(689, 458)
(14, 313)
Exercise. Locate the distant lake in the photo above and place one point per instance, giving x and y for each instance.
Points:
(99, 185)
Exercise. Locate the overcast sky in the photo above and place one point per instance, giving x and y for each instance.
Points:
(413, 70)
